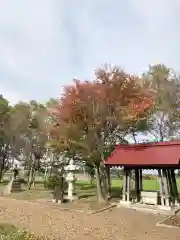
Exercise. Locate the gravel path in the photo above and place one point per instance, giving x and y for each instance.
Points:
(115, 224)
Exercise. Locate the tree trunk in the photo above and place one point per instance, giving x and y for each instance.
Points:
(34, 178)
(31, 177)
(91, 180)
(28, 164)
(98, 185)
(50, 171)
(2, 168)
(28, 173)
(32, 173)
(102, 186)
(45, 173)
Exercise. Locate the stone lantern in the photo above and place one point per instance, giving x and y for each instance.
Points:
(71, 178)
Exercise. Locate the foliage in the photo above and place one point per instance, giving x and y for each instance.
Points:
(53, 181)
(4, 117)
(117, 173)
(149, 177)
(89, 112)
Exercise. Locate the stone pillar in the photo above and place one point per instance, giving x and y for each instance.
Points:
(161, 188)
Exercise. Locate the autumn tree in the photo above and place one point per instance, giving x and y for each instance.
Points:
(91, 115)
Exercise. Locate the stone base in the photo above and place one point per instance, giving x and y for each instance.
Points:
(72, 198)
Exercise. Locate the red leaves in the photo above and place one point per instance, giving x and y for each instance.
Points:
(113, 95)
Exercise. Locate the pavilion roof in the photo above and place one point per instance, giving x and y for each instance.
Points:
(148, 154)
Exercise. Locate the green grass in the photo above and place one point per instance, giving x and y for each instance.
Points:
(148, 185)
(10, 232)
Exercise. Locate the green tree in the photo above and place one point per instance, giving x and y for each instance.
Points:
(164, 120)
(4, 132)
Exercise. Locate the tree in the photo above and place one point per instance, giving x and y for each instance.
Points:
(38, 136)
(28, 135)
(89, 114)
(163, 123)
(4, 127)
(19, 121)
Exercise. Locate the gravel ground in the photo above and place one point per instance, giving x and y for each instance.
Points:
(115, 224)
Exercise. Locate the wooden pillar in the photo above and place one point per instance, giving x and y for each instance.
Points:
(128, 184)
(165, 185)
(170, 186)
(140, 180)
(140, 183)
(137, 185)
(161, 188)
(125, 185)
(174, 186)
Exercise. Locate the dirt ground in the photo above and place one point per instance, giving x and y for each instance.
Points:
(114, 224)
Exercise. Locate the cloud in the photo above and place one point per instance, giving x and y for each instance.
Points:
(44, 44)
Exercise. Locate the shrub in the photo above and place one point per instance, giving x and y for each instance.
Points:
(53, 181)
(149, 177)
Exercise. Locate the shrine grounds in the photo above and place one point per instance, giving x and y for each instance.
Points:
(32, 211)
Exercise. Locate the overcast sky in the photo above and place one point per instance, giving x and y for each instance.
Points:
(46, 43)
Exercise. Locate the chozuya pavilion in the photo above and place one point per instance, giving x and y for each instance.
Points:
(162, 156)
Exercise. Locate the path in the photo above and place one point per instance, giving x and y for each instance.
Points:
(116, 224)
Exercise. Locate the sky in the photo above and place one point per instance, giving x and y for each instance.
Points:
(44, 44)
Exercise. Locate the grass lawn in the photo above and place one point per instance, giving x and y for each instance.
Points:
(10, 232)
(148, 185)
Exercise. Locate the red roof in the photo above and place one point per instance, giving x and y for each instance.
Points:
(150, 154)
